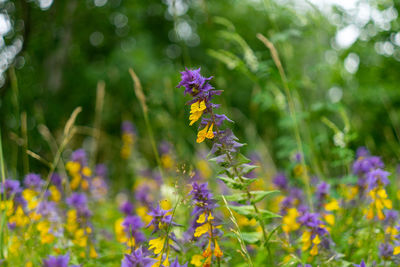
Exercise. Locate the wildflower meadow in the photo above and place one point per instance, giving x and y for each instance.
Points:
(199, 133)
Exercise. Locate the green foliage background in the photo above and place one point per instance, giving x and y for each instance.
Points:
(73, 44)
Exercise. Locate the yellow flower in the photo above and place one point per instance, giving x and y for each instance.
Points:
(306, 240)
(197, 260)
(166, 262)
(196, 110)
(30, 196)
(207, 132)
(7, 205)
(166, 161)
(316, 240)
(392, 231)
(333, 205)
(207, 253)
(158, 262)
(46, 238)
(76, 180)
(80, 239)
(157, 244)
(202, 218)
(85, 185)
(379, 202)
(92, 252)
(119, 231)
(298, 170)
(19, 218)
(314, 250)
(289, 222)
(396, 250)
(55, 194)
(143, 213)
(201, 230)
(165, 204)
(217, 250)
(330, 219)
(87, 171)
(73, 167)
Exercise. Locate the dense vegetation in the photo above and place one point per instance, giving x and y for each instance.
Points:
(290, 157)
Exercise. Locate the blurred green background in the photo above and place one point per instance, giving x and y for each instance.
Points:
(342, 60)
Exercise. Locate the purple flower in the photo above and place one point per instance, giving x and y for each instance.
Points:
(101, 170)
(322, 192)
(227, 140)
(297, 157)
(202, 199)
(79, 155)
(364, 164)
(56, 180)
(33, 180)
(132, 225)
(60, 261)
(376, 177)
(10, 187)
(79, 202)
(176, 264)
(11, 226)
(198, 87)
(126, 208)
(391, 216)
(46, 208)
(143, 194)
(311, 220)
(280, 181)
(385, 250)
(194, 83)
(165, 147)
(160, 218)
(362, 152)
(137, 258)
(362, 264)
(128, 127)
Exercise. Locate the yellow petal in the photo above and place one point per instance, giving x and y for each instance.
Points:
(196, 260)
(157, 244)
(333, 205)
(201, 135)
(316, 240)
(314, 250)
(210, 133)
(202, 218)
(201, 230)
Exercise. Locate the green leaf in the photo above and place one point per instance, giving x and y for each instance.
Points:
(246, 168)
(260, 195)
(232, 183)
(256, 196)
(245, 210)
(241, 159)
(252, 237)
(249, 212)
(266, 214)
(239, 197)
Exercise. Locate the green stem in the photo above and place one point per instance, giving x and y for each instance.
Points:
(292, 111)
(240, 177)
(153, 142)
(166, 247)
